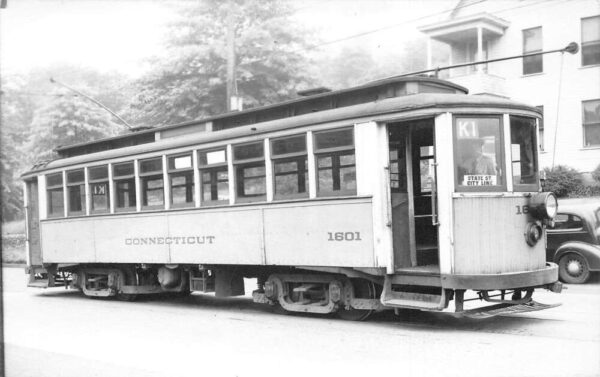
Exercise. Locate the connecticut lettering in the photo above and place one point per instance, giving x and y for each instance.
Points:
(185, 240)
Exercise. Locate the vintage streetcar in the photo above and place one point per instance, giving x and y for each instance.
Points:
(402, 193)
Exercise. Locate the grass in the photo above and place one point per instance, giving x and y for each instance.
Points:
(13, 242)
(13, 227)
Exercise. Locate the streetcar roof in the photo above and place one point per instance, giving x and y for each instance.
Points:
(388, 110)
(323, 100)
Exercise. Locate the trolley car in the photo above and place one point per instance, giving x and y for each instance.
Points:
(401, 193)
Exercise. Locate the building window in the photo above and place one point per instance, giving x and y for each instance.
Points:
(541, 129)
(532, 42)
(181, 179)
(76, 192)
(590, 41)
(152, 182)
(250, 172)
(124, 181)
(214, 177)
(56, 199)
(98, 182)
(523, 153)
(290, 167)
(336, 166)
(591, 123)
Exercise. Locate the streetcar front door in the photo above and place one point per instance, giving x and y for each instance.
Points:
(413, 194)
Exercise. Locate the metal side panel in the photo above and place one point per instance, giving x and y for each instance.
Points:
(229, 237)
(330, 234)
(495, 244)
(65, 241)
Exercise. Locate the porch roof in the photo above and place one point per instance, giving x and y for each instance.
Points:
(464, 28)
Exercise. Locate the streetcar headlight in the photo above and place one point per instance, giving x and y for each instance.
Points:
(544, 205)
(533, 233)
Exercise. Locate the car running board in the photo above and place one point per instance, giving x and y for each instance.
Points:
(505, 309)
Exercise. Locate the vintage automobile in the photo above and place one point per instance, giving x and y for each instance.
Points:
(574, 240)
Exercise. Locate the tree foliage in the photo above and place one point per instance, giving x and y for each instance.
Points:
(65, 121)
(191, 82)
(37, 116)
(355, 65)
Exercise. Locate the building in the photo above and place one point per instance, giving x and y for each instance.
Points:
(566, 87)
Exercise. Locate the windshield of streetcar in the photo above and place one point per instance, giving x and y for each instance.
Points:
(480, 155)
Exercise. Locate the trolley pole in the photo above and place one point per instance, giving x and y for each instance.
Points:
(52, 80)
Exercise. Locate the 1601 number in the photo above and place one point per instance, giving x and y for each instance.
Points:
(343, 236)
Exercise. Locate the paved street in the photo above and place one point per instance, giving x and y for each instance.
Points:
(58, 332)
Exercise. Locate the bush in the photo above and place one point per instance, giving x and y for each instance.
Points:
(596, 174)
(13, 248)
(564, 181)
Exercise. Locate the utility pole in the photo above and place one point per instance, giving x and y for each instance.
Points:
(232, 99)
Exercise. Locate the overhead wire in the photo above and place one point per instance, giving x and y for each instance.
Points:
(403, 23)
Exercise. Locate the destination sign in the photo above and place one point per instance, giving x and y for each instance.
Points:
(479, 180)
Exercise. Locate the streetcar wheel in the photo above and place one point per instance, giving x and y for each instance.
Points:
(573, 269)
(279, 310)
(130, 279)
(129, 297)
(362, 289)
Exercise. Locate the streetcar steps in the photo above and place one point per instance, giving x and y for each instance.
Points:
(505, 309)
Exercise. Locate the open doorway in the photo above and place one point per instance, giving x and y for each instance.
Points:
(413, 194)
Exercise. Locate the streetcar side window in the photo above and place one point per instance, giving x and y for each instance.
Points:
(76, 192)
(290, 167)
(98, 182)
(181, 180)
(250, 172)
(124, 181)
(478, 154)
(214, 177)
(523, 153)
(336, 165)
(152, 182)
(56, 199)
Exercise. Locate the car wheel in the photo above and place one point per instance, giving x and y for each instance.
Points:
(573, 269)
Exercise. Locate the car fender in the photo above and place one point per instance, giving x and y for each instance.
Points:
(590, 252)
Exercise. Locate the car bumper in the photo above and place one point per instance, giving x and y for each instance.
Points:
(512, 280)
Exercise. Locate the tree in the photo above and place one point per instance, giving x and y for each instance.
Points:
(356, 65)
(67, 120)
(15, 110)
(191, 82)
(36, 116)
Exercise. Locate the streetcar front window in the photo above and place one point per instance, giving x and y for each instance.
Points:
(98, 182)
(250, 170)
(523, 153)
(124, 181)
(181, 178)
(214, 177)
(76, 191)
(56, 200)
(478, 154)
(336, 165)
(290, 165)
(151, 179)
